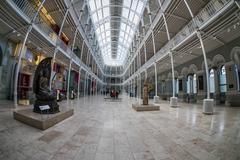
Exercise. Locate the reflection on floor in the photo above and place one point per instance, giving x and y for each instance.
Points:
(102, 130)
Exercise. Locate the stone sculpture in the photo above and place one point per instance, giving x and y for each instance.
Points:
(145, 94)
(44, 96)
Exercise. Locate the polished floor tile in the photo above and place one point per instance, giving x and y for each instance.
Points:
(103, 130)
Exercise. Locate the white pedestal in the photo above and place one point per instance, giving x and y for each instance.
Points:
(156, 99)
(174, 102)
(208, 106)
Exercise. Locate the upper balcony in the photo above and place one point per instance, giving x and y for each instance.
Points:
(208, 21)
(42, 35)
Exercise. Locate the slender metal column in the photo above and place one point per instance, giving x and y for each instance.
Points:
(130, 86)
(134, 83)
(68, 84)
(79, 81)
(205, 62)
(85, 84)
(237, 3)
(155, 69)
(59, 34)
(21, 54)
(129, 83)
(173, 74)
(203, 50)
(170, 53)
(140, 93)
(156, 98)
(56, 47)
(207, 103)
(70, 65)
(173, 99)
(144, 44)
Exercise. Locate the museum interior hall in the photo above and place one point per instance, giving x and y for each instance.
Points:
(120, 80)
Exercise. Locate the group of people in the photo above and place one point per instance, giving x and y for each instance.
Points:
(114, 94)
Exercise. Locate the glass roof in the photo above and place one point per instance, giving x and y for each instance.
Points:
(100, 13)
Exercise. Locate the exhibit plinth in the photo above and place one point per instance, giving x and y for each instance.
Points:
(174, 102)
(145, 106)
(156, 99)
(208, 106)
(150, 107)
(42, 121)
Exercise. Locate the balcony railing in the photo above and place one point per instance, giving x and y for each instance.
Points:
(29, 9)
(26, 7)
(208, 12)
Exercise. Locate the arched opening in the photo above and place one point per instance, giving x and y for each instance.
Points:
(195, 84)
(237, 76)
(222, 84)
(176, 86)
(189, 84)
(190, 96)
(163, 87)
(212, 81)
(223, 80)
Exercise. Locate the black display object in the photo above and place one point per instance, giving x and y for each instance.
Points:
(41, 88)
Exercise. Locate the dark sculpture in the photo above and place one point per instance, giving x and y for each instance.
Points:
(41, 88)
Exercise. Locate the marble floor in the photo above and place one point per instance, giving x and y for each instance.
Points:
(104, 130)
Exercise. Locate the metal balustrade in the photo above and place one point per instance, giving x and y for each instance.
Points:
(26, 7)
(47, 31)
(209, 11)
(29, 9)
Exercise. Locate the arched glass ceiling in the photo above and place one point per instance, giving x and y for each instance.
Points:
(115, 55)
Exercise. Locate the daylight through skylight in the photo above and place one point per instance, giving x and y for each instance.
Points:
(100, 14)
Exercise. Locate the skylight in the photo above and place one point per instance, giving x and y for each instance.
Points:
(100, 14)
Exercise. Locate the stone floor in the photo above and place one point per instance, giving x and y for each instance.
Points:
(103, 130)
